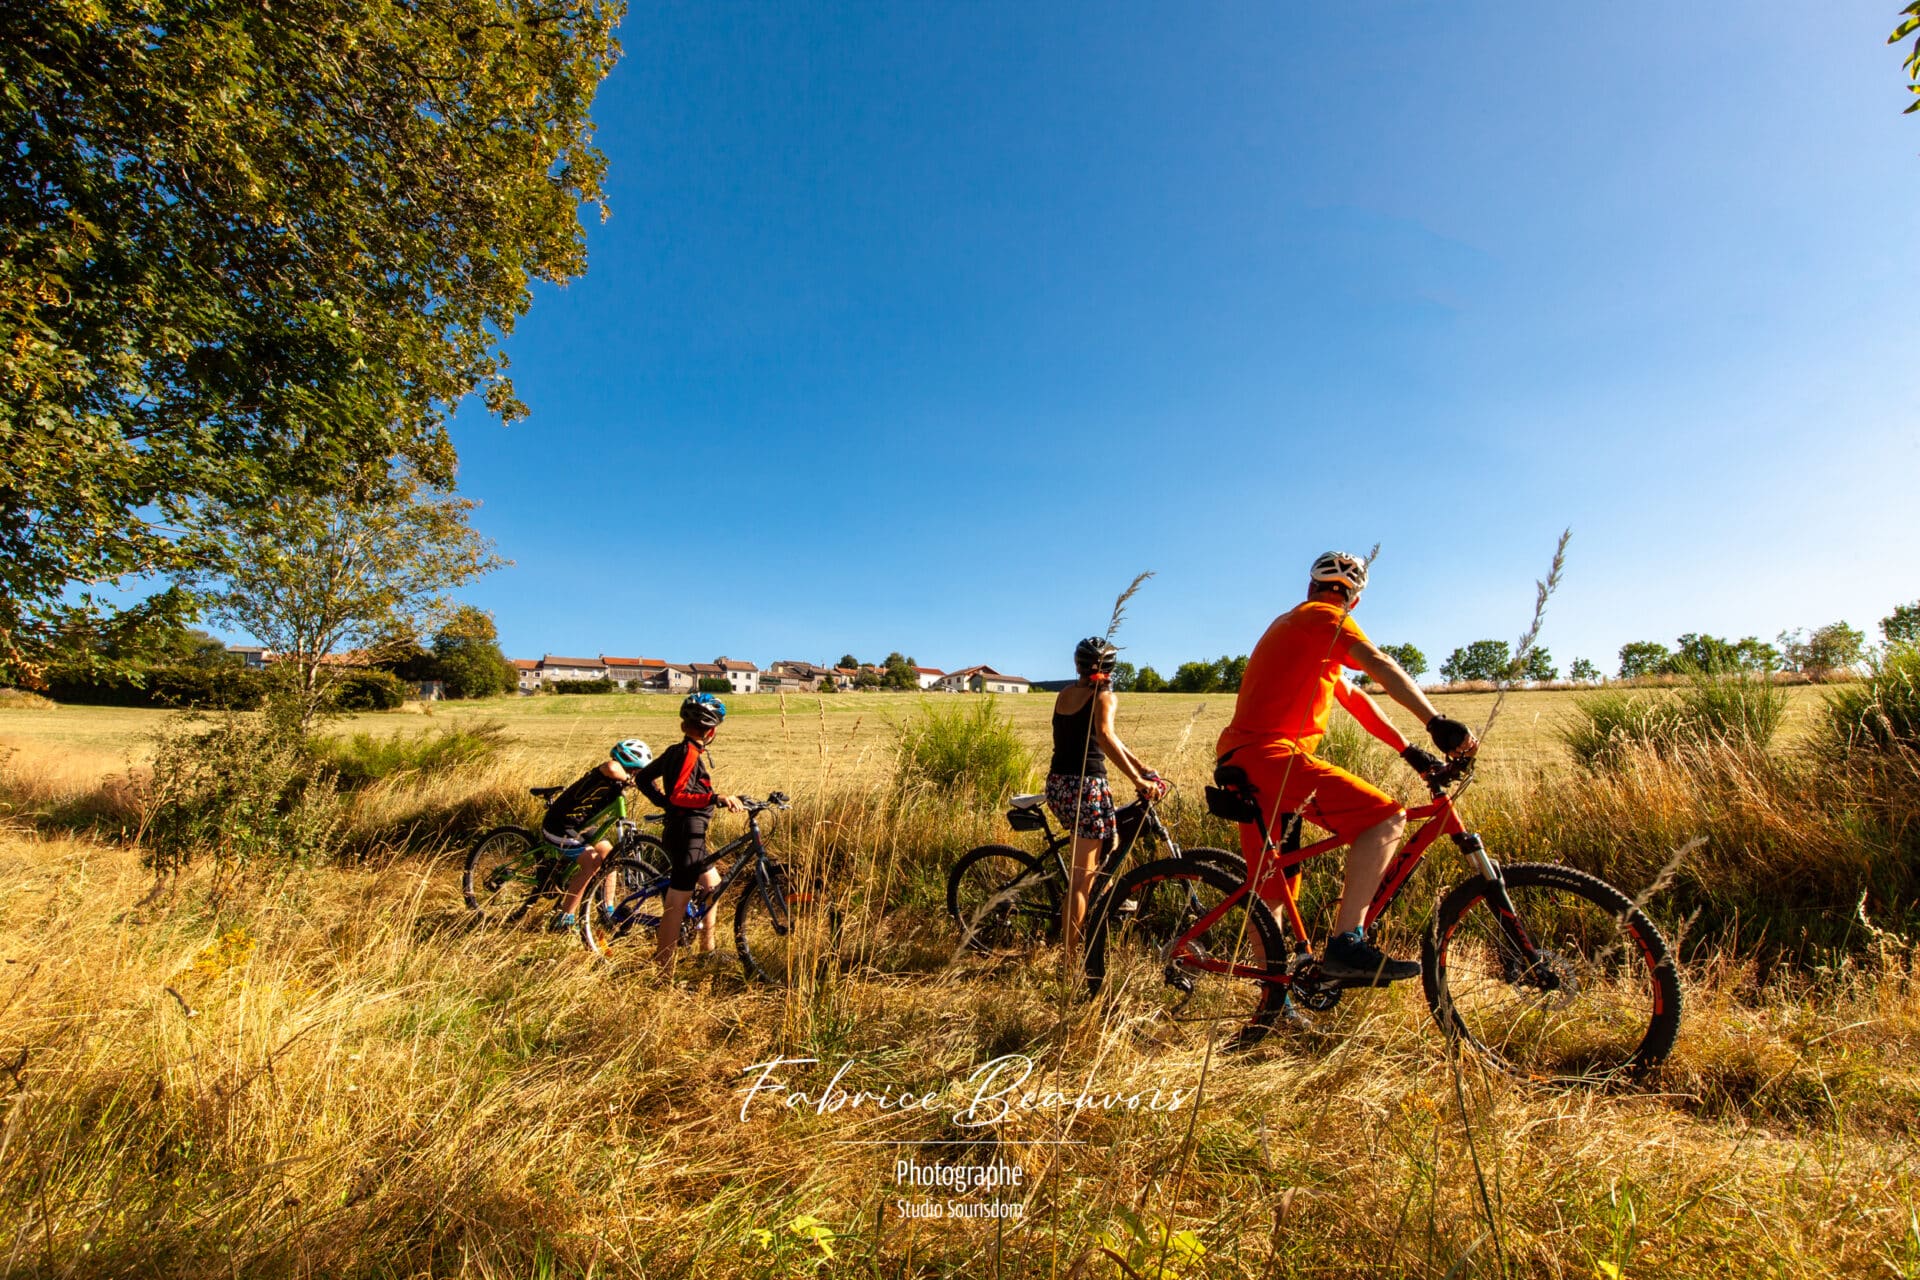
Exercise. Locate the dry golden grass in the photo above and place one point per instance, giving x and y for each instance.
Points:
(332, 1074)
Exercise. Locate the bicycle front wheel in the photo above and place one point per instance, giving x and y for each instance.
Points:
(1183, 988)
(503, 872)
(785, 930)
(1002, 900)
(1576, 986)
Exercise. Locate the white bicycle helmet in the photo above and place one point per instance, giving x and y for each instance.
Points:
(1347, 570)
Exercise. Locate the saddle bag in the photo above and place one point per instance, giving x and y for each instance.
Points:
(1026, 820)
(1231, 796)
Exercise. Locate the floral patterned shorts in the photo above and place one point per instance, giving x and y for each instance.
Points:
(1088, 799)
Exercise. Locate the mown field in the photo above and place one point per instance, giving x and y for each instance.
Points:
(802, 742)
(328, 1070)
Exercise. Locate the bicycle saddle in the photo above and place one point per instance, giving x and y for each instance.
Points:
(1027, 802)
(545, 793)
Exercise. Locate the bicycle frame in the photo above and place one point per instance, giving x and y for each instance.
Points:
(751, 851)
(1440, 818)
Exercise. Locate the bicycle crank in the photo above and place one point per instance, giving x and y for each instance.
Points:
(1313, 989)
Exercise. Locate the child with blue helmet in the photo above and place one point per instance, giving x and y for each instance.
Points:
(689, 799)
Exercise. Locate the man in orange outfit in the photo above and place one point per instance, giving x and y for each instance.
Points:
(1279, 717)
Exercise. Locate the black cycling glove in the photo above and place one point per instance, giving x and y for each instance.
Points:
(1448, 735)
(1421, 760)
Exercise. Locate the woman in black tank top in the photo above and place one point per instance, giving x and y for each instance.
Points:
(1084, 742)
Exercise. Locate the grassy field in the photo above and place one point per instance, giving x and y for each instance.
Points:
(330, 1071)
(803, 743)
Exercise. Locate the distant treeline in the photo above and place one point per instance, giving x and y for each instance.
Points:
(1834, 647)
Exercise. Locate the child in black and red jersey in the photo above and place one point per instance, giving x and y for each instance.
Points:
(688, 798)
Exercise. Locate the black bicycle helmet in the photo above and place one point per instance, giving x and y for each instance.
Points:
(704, 710)
(1095, 653)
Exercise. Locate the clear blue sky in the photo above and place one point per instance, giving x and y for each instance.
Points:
(925, 327)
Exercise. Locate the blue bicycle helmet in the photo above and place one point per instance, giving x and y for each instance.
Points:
(704, 710)
(631, 753)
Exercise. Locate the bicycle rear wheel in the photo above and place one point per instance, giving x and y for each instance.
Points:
(632, 922)
(1576, 987)
(1207, 990)
(1002, 900)
(785, 930)
(504, 873)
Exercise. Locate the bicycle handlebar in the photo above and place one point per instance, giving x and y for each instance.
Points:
(1438, 780)
(774, 800)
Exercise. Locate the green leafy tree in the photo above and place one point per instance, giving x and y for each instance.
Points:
(1195, 677)
(1644, 658)
(897, 673)
(715, 684)
(1751, 653)
(1583, 670)
(1149, 681)
(1834, 647)
(1229, 672)
(1696, 652)
(1123, 676)
(1909, 23)
(467, 658)
(309, 578)
(1539, 666)
(1409, 658)
(1902, 627)
(252, 251)
(1481, 660)
(850, 662)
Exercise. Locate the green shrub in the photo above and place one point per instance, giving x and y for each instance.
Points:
(244, 789)
(365, 758)
(1880, 714)
(231, 688)
(227, 687)
(963, 748)
(1607, 725)
(580, 686)
(1741, 710)
(370, 691)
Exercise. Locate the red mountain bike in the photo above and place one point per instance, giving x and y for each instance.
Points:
(1550, 973)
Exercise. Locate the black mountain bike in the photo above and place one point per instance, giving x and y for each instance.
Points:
(1003, 899)
(510, 868)
(780, 927)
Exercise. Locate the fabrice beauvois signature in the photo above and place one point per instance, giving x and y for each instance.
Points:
(991, 1094)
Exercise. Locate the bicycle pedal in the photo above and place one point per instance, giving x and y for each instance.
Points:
(1127, 907)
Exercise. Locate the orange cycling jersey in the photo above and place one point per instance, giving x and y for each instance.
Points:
(1292, 679)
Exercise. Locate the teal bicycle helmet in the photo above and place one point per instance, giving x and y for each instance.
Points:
(631, 753)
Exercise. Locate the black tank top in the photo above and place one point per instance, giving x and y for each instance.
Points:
(1076, 752)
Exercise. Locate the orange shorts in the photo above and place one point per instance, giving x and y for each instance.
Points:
(1289, 781)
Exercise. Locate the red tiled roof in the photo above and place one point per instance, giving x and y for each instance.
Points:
(553, 661)
(526, 664)
(734, 664)
(930, 671)
(620, 662)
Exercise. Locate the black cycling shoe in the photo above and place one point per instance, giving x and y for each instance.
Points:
(1358, 963)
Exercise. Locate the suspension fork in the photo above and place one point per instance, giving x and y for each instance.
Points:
(1475, 851)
